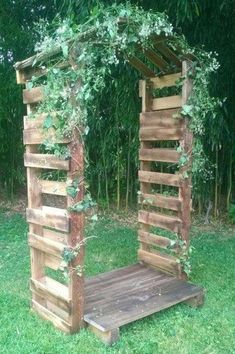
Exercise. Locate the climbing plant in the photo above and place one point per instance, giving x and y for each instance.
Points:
(95, 49)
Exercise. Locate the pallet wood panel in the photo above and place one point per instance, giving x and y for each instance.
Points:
(46, 245)
(50, 316)
(33, 95)
(164, 262)
(165, 80)
(167, 179)
(168, 53)
(156, 59)
(167, 222)
(145, 294)
(46, 161)
(161, 201)
(167, 102)
(37, 120)
(36, 136)
(53, 262)
(167, 118)
(141, 67)
(54, 291)
(53, 187)
(155, 240)
(54, 235)
(155, 134)
(159, 154)
(51, 217)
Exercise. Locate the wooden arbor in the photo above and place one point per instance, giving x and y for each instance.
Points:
(113, 299)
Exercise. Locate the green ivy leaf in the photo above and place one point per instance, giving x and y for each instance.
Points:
(48, 122)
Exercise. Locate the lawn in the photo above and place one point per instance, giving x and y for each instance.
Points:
(181, 329)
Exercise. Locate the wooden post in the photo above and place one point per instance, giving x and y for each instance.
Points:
(75, 237)
(145, 93)
(186, 145)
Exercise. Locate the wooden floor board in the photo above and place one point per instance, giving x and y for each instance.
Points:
(122, 296)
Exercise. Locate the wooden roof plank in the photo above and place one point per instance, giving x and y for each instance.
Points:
(141, 67)
(156, 59)
(168, 53)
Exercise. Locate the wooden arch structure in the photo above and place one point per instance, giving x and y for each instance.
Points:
(110, 300)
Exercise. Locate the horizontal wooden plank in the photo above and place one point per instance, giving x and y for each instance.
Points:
(51, 217)
(160, 154)
(52, 262)
(54, 235)
(144, 294)
(53, 187)
(164, 262)
(159, 220)
(34, 122)
(33, 95)
(167, 102)
(37, 120)
(155, 134)
(167, 118)
(155, 240)
(46, 161)
(53, 291)
(165, 80)
(161, 201)
(46, 245)
(141, 67)
(50, 316)
(39, 136)
(160, 178)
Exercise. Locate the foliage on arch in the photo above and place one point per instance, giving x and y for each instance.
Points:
(93, 62)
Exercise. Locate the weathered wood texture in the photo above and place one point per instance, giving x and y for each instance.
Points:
(52, 229)
(161, 120)
(122, 296)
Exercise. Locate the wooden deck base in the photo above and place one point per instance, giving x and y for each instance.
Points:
(124, 295)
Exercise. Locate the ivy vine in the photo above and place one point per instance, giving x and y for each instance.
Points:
(91, 62)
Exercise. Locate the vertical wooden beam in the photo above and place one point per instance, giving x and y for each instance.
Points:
(35, 201)
(145, 92)
(186, 145)
(75, 237)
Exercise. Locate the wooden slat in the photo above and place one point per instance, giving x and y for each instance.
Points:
(53, 187)
(168, 118)
(161, 201)
(166, 80)
(33, 95)
(37, 136)
(164, 262)
(50, 316)
(156, 59)
(159, 178)
(167, 102)
(162, 155)
(53, 291)
(162, 134)
(168, 53)
(155, 240)
(46, 245)
(54, 235)
(50, 217)
(159, 220)
(141, 67)
(45, 161)
(37, 120)
(52, 262)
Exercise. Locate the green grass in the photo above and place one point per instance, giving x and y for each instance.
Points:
(180, 329)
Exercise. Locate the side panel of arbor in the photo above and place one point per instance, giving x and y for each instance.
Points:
(51, 228)
(165, 186)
